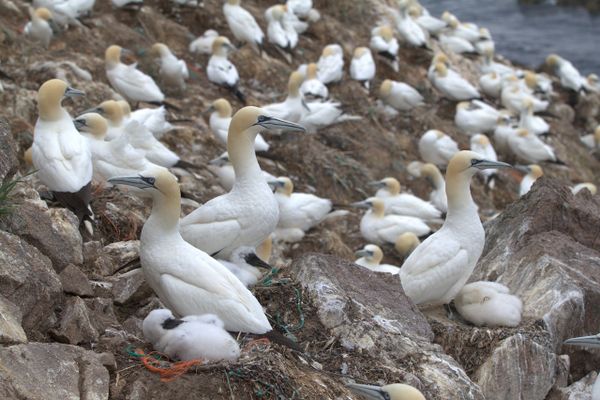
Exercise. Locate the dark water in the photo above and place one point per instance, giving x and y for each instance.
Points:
(528, 33)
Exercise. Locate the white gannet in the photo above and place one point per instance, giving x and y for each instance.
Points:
(220, 70)
(195, 337)
(320, 114)
(249, 212)
(301, 8)
(489, 65)
(592, 83)
(385, 44)
(399, 95)
(203, 44)
(298, 210)
(451, 85)
(590, 341)
(538, 84)
(370, 257)
(515, 92)
(467, 31)
(378, 228)
(130, 82)
(475, 117)
(242, 24)
(532, 173)
(506, 128)
(427, 22)
(223, 169)
(436, 270)
(485, 44)
(437, 148)
(394, 391)
(436, 180)
(312, 87)
(112, 111)
(173, 71)
(219, 122)
(293, 106)
(532, 123)
(61, 156)
(407, 27)
(154, 119)
(186, 279)
(592, 140)
(406, 243)
(362, 66)
(72, 9)
(39, 28)
(388, 190)
(244, 264)
(480, 144)
(569, 77)
(330, 67)
(280, 31)
(585, 185)
(488, 304)
(530, 148)
(491, 84)
(455, 44)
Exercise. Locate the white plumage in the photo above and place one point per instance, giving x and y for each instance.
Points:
(475, 117)
(491, 84)
(223, 169)
(219, 122)
(408, 28)
(399, 95)
(592, 140)
(532, 123)
(39, 28)
(281, 30)
(173, 71)
(532, 173)
(404, 203)
(451, 85)
(570, 78)
(437, 197)
(154, 119)
(220, 70)
(480, 144)
(203, 44)
(242, 24)
(456, 44)
(330, 66)
(370, 258)
(489, 304)
(362, 66)
(292, 108)
(530, 148)
(142, 139)
(437, 148)
(384, 43)
(242, 263)
(301, 8)
(312, 86)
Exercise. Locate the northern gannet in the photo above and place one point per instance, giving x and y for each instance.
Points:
(219, 122)
(220, 70)
(491, 84)
(407, 27)
(394, 391)
(378, 228)
(592, 83)
(242, 24)
(455, 44)
(280, 31)
(475, 117)
(113, 112)
(388, 190)
(585, 185)
(590, 341)
(530, 148)
(488, 304)
(203, 44)
(244, 264)
(592, 140)
(195, 337)
(485, 44)
(406, 243)
(70, 10)
(437, 148)
(532, 123)
(320, 114)
(480, 144)
(301, 8)
(312, 86)
(505, 128)
(569, 77)
(370, 257)
(186, 279)
(330, 67)
(39, 28)
(427, 22)
(451, 85)
(154, 119)
(514, 93)
(385, 44)
(362, 66)
(467, 31)
(61, 156)
(249, 212)
(438, 269)
(130, 82)
(436, 180)
(532, 173)
(223, 169)
(173, 71)
(293, 106)
(489, 65)
(399, 95)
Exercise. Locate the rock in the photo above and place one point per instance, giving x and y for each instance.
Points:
(75, 325)
(74, 281)
(115, 256)
(130, 286)
(28, 280)
(580, 390)
(102, 314)
(11, 330)
(8, 151)
(108, 360)
(51, 371)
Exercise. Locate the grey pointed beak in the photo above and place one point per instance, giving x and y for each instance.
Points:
(523, 168)
(489, 164)
(97, 110)
(127, 52)
(229, 46)
(361, 204)
(219, 161)
(255, 261)
(276, 123)
(377, 184)
(135, 181)
(79, 124)
(70, 92)
(591, 341)
(209, 110)
(363, 253)
(369, 392)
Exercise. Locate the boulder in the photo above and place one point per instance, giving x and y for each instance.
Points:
(102, 314)
(580, 390)
(11, 330)
(8, 151)
(115, 256)
(130, 286)
(75, 325)
(74, 281)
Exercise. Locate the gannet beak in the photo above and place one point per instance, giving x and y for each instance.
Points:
(591, 341)
(229, 46)
(276, 123)
(253, 260)
(70, 92)
(368, 391)
(361, 204)
(219, 161)
(377, 184)
(97, 110)
(488, 164)
(127, 52)
(306, 107)
(523, 168)
(136, 181)
(79, 123)
(209, 110)
(363, 253)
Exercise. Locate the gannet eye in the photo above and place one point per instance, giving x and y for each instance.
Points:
(149, 180)
(262, 118)
(474, 162)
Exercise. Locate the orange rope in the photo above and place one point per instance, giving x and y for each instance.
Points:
(259, 344)
(168, 371)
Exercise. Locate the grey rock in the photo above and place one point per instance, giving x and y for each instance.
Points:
(8, 151)
(40, 371)
(580, 390)
(102, 314)
(115, 256)
(28, 280)
(130, 286)
(75, 325)
(11, 330)
(74, 281)
(108, 360)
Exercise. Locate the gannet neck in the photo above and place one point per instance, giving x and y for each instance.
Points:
(433, 173)
(49, 103)
(93, 123)
(294, 84)
(377, 254)
(392, 186)
(113, 111)
(263, 251)
(220, 46)
(597, 136)
(441, 69)
(458, 192)
(377, 207)
(223, 107)
(240, 147)
(311, 71)
(287, 187)
(43, 14)
(125, 108)
(166, 205)
(112, 56)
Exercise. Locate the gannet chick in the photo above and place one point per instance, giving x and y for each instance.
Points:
(362, 66)
(570, 78)
(594, 342)
(532, 173)
(223, 169)
(249, 212)
(378, 228)
(370, 257)
(436, 180)
(436, 270)
(592, 140)
(491, 84)
(298, 210)
(312, 87)
(406, 243)
(530, 148)
(437, 148)
(220, 70)
(280, 32)
(130, 82)
(385, 44)
(203, 44)
(407, 27)
(219, 122)
(475, 117)
(61, 156)
(488, 304)
(186, 279)
(585, 185)
(451, 85)
(242, 24)
(191, 338)
(480, 144)
(39, 28)
(154, 119)
(404, 203)
(245, 264)
(173, 71)
(292, 108)
(399, 95)
(330, 67)
(394, 391)
(532, 123)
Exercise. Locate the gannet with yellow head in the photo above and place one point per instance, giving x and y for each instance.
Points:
(406, 243)
(491, 84)
(592, 341)
(112, 111)
(530, 148)
(388, 190)
(488, 304)
(592, 83)
(370, 257)
(242, 24)
(440, 266)
(592, 140)
(436, 180)
(505, 128)
(220, 70)
(399, 95)
(475, 117)
(532, 123)
(61, 156)
(532, 173)
(280, 31)
(467, 31)
(249, 212)
(39, 28)
(407, 27)
(311, 86)
(203, 44)
(455, 44)
(173, 71)
(489, 65)
(452, 85)
(293, 106)
(515, 93)
(485, 43)
(569, 76)
(437, 148)
(480, 144)
(385, 44)
(427, 22)
(394, 391)
(219, 121)
(362, 66)
(330, 67)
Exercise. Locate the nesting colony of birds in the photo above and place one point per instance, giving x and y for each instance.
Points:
(185, 167)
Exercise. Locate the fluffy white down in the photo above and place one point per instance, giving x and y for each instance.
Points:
(489, 304)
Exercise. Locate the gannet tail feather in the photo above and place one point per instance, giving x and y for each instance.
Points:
(241, 97)
(185, 165)
(279, 338)
(78, 202)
